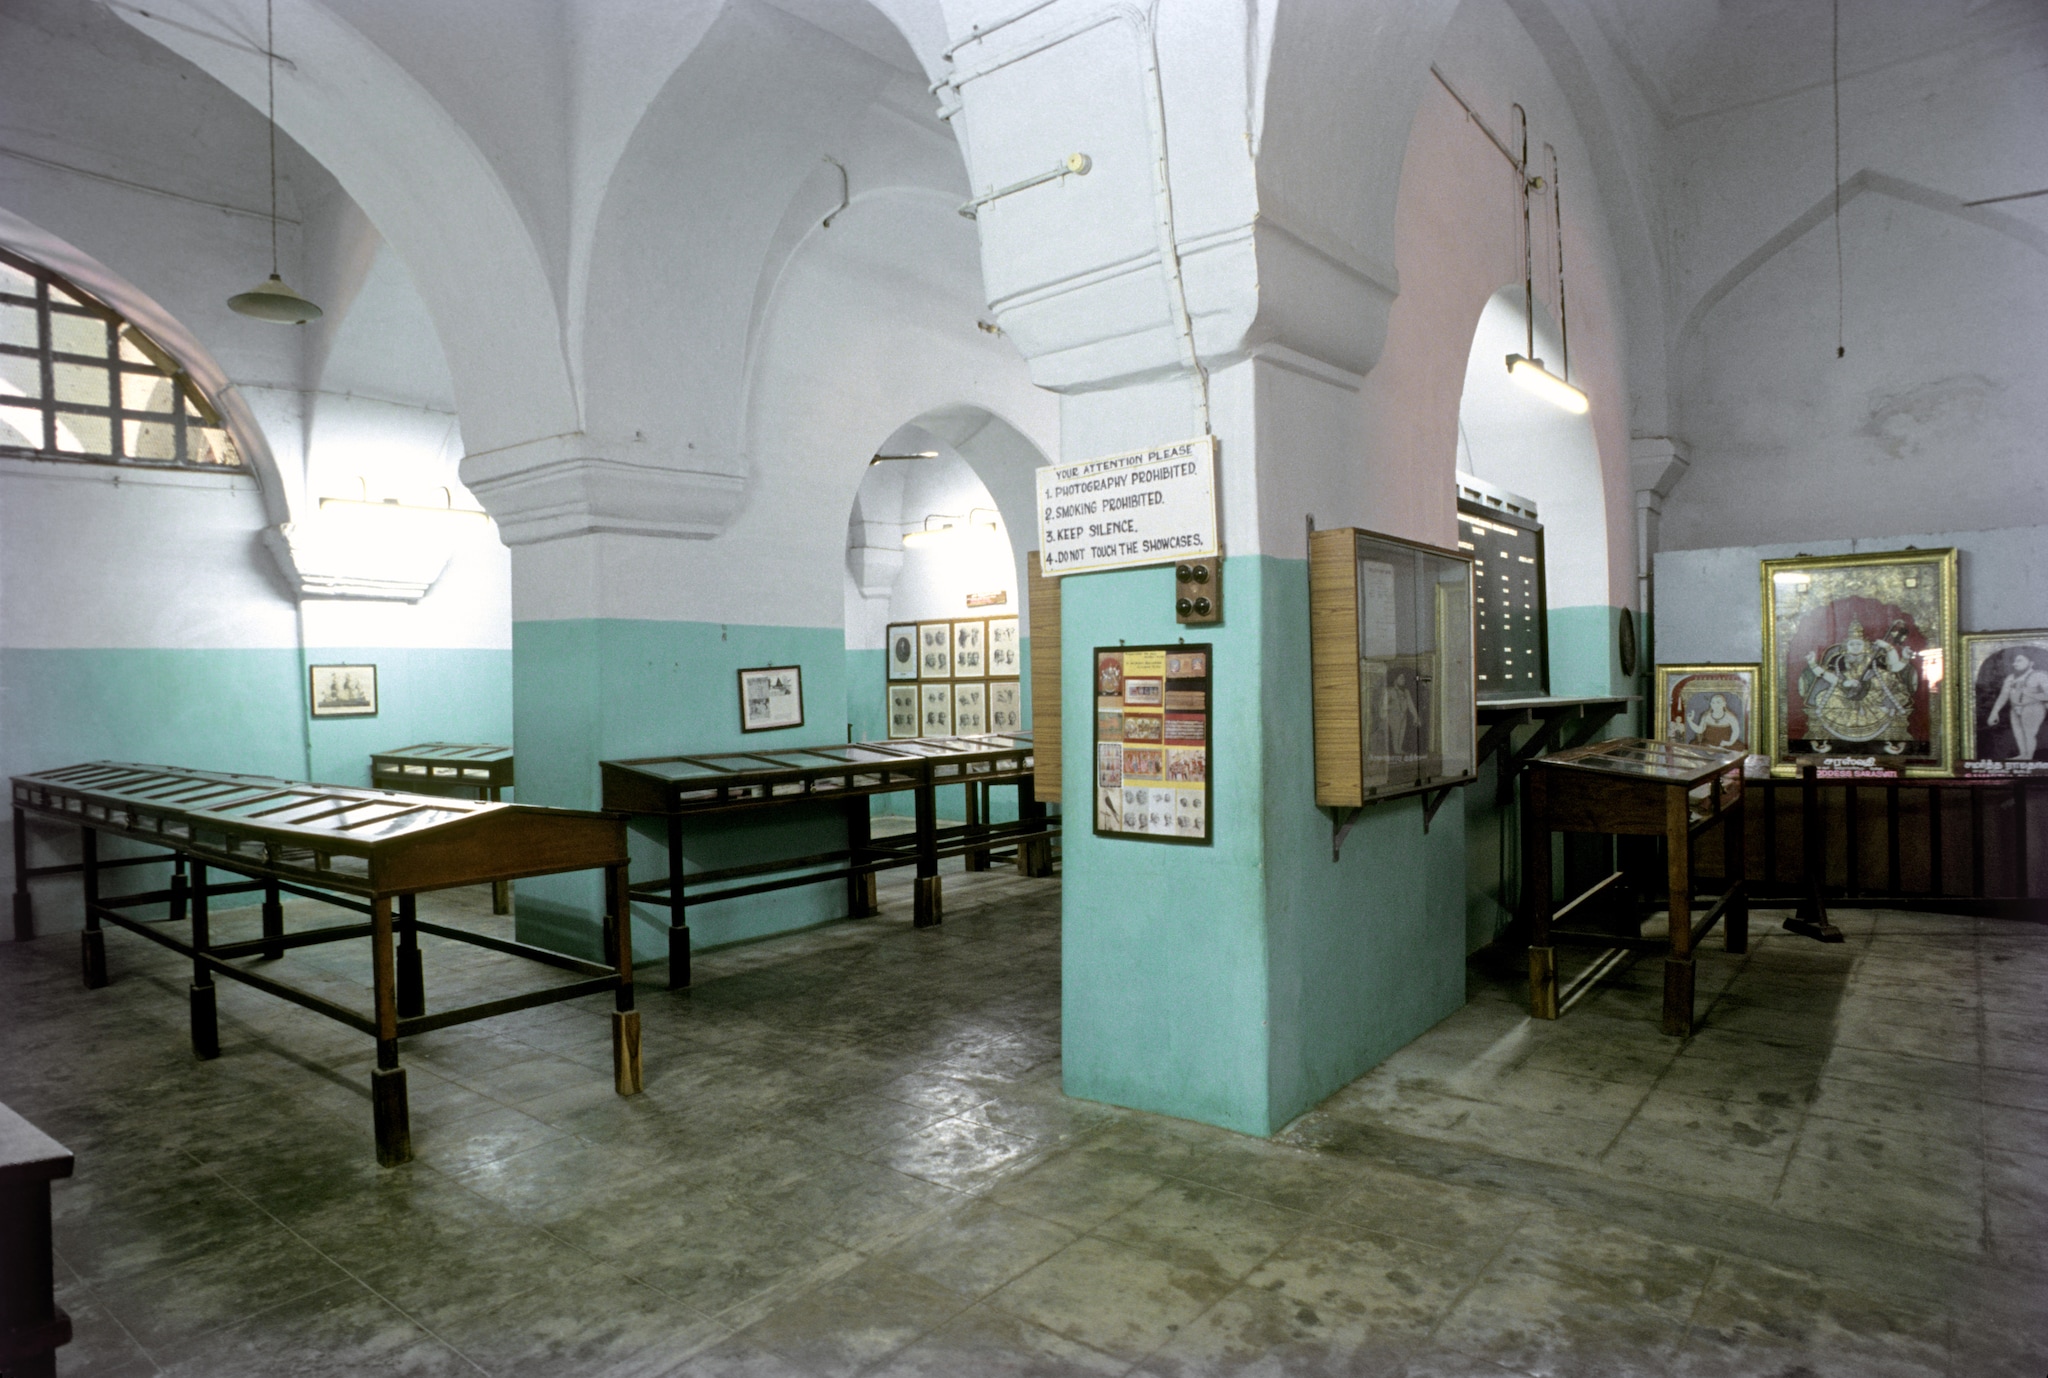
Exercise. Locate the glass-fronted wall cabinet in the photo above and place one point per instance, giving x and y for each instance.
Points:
(1511, 629)
(1390, 637)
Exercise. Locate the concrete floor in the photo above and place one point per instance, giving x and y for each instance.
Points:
(853, 1156)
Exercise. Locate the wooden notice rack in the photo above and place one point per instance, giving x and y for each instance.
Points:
(1632, 786)
(682, 788)
(467, 771)
(363, 850)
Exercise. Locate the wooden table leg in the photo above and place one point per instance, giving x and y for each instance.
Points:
(678, 917)
(412, 977)
(1678, 964)
(976, 859)
(92, 942)
(928, 906)
(24, 911)
(1811, 917)
(626, 1073)
(205, 1016)
(861, 900)
(1034, 856)
(501, 890)
(1735, 870)
(1536, 898)
(390, 1114)
(179, 885)
(273, 919)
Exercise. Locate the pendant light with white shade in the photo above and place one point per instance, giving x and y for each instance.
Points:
(272, 299)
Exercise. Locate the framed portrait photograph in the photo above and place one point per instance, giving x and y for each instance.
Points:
(970, 649)
(935, 650)
(1006, 707)
(343, 691)
(771, 697)
(934, 710)
(970, 709)
(1857, 650)
(2004, 696)
(1707, 705)
(901, 650)
(1005, 646)
(903, 710)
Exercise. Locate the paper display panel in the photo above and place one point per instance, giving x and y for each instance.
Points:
(970, 709)
(970, 650)
(935, 650)
(903, 711)
(901, 649)
(1005, 646)
(1005, 706)
(935, 710)
(1152, 742)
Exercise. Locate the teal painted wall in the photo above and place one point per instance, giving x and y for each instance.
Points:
(231, 710)
(594, 689)
(1240, 982)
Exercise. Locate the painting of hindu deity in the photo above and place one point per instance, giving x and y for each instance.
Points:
(1707, 705)
(1856, 652)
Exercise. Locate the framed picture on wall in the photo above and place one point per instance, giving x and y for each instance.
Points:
(935, 710)
(1005, 646)
(2005, 696)
(1856, 649)
(935, 650)
(903, 711)
(343, 691)
(1005, 707)
(970, 649)
(901, 650)
(771, 697)
(970, 709)
(1707, 705)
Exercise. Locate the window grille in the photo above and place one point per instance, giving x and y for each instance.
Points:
(78, 383)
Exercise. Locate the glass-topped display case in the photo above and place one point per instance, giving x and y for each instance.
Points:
(1390, 635)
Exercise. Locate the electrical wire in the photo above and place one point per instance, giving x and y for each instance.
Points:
(1841, 296)
(270, 72)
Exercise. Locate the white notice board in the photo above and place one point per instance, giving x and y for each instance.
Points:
(1147, 507)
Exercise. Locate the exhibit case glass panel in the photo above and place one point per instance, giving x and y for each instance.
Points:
(1391, 641)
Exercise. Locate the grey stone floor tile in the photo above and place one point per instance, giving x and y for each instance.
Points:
(978, 1247)
(985, 1341)
(1757, 1318)
(740, 1358)
(1078, 1190)
(1199, 1228)
(1123, 1301)
(344, 1331)
(1696, 1161)
(858, 1319)
(1747, 1125)
(1940, 1215)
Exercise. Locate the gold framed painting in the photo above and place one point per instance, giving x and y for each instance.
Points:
(2004, 696)
(1707, 705)
(1856, 654)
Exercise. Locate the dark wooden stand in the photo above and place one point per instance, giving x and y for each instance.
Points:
(1589, 790)
(32, 1325)
(364, 851)
(684, 789)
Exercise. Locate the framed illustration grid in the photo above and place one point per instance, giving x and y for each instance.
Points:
(1152, 737)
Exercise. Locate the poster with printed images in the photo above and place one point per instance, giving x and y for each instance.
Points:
(1005, 646)
(1005, 707)
(970, 709)
(1152, 742)
(903, 710)
(935, 710)
(935, 650)
(970, 653)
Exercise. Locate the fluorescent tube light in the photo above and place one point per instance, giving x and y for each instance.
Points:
(1531, 374)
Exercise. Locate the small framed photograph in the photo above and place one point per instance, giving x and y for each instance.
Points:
(771, 697)
(970, 709)
(1006, 707)
(902, 651)
(903, 711)
(344, 691)
(2005, 697)
(935, 710)
(1005, 646)
(970, 649)
(935, 650)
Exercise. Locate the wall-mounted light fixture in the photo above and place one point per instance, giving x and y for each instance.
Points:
(921, 454)
(1527, 369)
(272, 299)
(945, 526)
(1531, 374)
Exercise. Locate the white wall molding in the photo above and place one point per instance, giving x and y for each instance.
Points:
(585, 495)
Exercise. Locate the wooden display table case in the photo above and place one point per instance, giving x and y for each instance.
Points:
(464, 770)
(681, 788)
(356, 849)
(1635, 787)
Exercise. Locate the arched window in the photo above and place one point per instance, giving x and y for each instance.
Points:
(79, 383)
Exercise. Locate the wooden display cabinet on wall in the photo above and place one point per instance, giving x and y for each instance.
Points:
(1390, 640)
